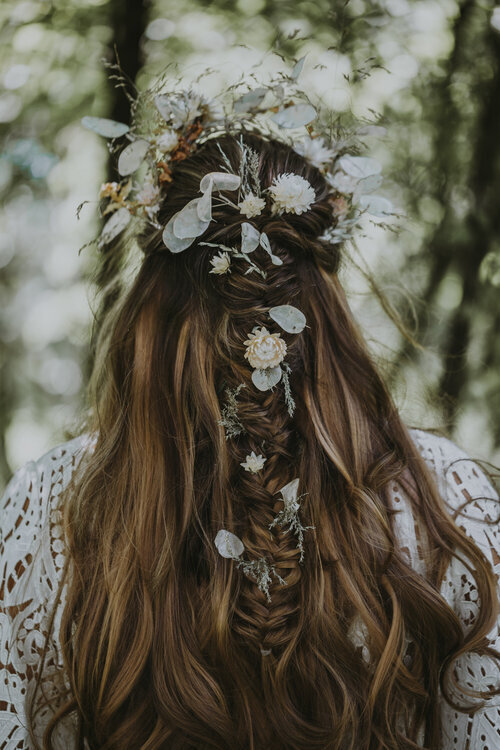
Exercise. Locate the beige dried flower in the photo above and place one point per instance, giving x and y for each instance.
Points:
(220, 263)
(265, 349)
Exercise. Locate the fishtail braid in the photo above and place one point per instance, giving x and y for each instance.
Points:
(268, 429)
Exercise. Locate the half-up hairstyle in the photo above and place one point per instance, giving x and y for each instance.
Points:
(166, 643)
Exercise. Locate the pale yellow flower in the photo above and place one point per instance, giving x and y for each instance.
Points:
(265, 349)
(220, 263)
(252, 206)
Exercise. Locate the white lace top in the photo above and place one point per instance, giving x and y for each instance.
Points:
(31, 557)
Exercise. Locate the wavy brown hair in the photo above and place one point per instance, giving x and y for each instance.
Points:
(165, 641)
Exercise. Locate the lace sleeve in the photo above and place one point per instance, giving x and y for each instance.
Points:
(31, 563)
(19, 510)
(475, 507)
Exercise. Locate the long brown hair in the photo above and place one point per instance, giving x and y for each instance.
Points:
(166, 643)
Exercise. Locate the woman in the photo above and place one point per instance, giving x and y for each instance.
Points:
(257, 552)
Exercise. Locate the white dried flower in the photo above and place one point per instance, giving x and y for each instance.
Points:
(252, 206)
(220, 262)
(148, 194)
(315, 151)
(253, 462)
(265, 349)
(167, 141)
(109, 190)
(212, 110)
(291, 193)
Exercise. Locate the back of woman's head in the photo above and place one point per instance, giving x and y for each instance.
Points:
(167, 642)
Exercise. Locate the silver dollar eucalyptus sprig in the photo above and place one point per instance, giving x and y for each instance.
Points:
(261, 572)
(231, 546)
(230, 419)
(290, 514)
(289, 400)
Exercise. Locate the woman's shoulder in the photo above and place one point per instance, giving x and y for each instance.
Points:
(35, 483)
(30, 531)
(31, 560)
(465, 487)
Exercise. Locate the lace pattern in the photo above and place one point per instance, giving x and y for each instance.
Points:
(32, 559)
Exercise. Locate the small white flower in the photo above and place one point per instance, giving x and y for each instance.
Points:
(252, 206)
(253, 462)
(220, 262)
(149, 194)
(265, 349)
(212, 110)
(315, 151)
(167, 141)
(291, 193)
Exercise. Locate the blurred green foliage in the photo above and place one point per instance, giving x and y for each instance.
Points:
(431, 71)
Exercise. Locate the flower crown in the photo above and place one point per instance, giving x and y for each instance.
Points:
(171, 127)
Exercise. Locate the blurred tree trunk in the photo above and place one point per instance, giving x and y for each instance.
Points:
(459, 244)
(128, 21)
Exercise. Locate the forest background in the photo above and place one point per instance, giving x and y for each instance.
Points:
(428, 70)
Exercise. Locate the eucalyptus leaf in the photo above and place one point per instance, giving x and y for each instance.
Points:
(250, 100)
(220, 181)
(188, 223)
(376, 205)
(204, 206)
(103, 126)
(114, 225)
(295, 116)
(368, 184)
(288, 317)
(266, 245)
(228, 544)
(132, 156)
(289, 492)
(266, 379)
(297, 68)
(173, 243)
(359, 166)
(250, 237)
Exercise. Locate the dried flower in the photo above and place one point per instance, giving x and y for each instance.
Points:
(221, 263)
(167, 141)
(212, 110)
(109, 190)
(117, 192)
(290, 515)
(230, 419)
(291, 193)
(253, 462)
(252, 206)
(149, 194)
(260, 570)
(265, 349)
(340, 206)
(315, 151)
